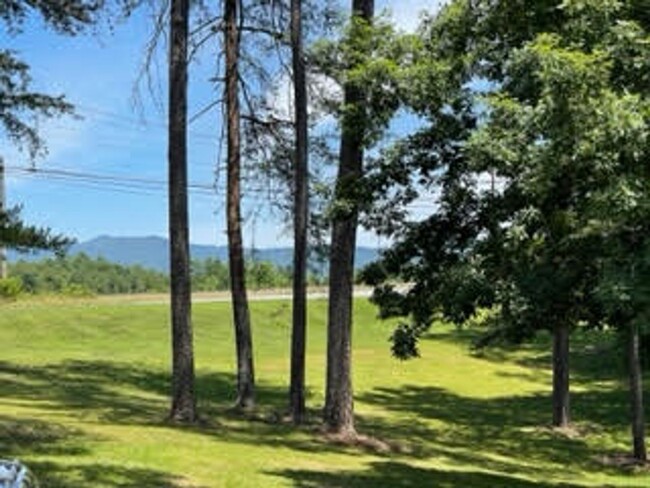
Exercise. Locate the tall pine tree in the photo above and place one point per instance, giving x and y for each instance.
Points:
(183, 407)
(241, 313)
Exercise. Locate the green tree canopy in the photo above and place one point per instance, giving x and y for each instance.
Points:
(542, 212)
(521, 167)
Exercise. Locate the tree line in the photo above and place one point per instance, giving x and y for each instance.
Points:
(530, 146)
(83, 275)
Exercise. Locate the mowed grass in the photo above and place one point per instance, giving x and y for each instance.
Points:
(83, 400)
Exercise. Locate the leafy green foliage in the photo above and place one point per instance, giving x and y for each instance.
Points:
(367, 57)
(212, 274)
(539, 179)
(368, 62)
(209, 274)
(404, 341)
(263, 274)
(80, 275)
(10, 288)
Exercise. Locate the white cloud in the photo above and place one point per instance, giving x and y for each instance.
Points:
(280, 98)
(407, 15)
(321, 90)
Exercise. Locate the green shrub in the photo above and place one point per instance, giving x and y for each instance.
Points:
(10, 288)
(76, 290)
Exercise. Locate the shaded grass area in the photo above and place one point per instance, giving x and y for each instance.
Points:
(83, 400)
(25, 438)
(55, 475)
(401, 475)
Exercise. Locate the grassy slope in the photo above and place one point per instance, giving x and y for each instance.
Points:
(83, 397)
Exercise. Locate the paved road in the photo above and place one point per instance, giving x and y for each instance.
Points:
(208, 297)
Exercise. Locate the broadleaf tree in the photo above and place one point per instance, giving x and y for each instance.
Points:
(561, 125)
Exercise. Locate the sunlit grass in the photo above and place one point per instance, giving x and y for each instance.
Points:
(83, 400)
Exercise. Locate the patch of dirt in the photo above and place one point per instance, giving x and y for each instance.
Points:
(624, 460)
(367, 443)
(570, 431)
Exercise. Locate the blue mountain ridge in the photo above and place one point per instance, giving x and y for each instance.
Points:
(153, 252)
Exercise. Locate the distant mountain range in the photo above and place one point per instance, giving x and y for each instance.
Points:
(153, 252)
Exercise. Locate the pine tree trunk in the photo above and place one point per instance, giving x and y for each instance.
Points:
(636, 396)
(301, 212)
(241, 315)
(561, 412)
(339, 407)
(183, 401)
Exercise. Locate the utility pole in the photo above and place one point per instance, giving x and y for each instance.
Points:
(3, 201)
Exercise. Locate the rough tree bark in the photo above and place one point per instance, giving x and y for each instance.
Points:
(339, 408)
(241, 315)
(301, 212)
(183, 407)
(561, 412)
(636, 396)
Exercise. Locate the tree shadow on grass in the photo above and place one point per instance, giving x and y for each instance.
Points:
(596, 363)
(111, 394)
(117, 393)
(136, 395)
(500, 434)
(392, 474)
(596, 355)
(23, 438)
(98, 475)
(505, 434)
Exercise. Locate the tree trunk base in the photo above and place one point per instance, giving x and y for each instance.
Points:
(297, 418)
(560, 399)
(352, 438)
(570, 431)
(183, 418)
(244, 405)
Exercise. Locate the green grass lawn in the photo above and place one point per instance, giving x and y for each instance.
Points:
(83, 398)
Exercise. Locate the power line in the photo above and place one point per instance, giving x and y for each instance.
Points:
(108, 188)
(125, 184)
(106, 182)
(141, 123)
(141, 183)
(105, 177)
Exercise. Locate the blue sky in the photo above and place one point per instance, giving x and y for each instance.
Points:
(114, 136)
